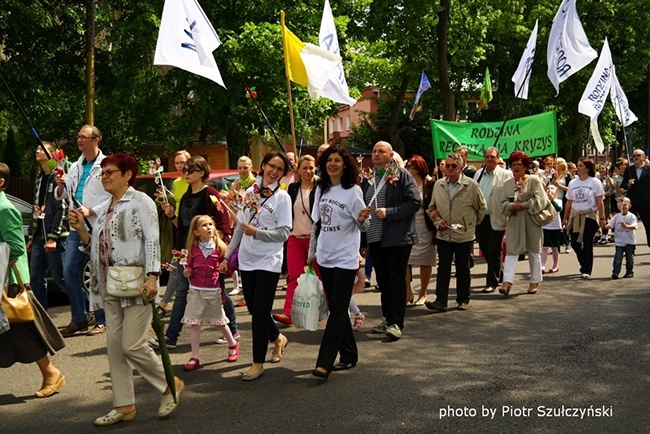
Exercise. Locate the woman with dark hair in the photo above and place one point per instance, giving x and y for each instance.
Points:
(341, 214)
(423, 254)
(302, 195)
(522, 196)
(126, 234)
(584, 201)
(199, 199)
(264, 225)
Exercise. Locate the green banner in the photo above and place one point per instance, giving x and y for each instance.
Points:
(535, 135)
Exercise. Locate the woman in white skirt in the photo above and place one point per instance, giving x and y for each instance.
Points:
(423, 254)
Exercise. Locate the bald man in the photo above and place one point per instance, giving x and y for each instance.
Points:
(394, 197)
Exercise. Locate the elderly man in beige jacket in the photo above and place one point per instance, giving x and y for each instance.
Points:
(489, 233)
(457, 207)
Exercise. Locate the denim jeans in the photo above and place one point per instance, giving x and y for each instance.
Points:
(41, 262)
(73, 263)
(628, 250)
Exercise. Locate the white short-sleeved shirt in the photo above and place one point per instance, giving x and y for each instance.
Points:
(340, 237)
(584, 193)
(256, 254)
(622, 236)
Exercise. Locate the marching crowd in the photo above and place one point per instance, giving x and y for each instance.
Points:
(323, 212)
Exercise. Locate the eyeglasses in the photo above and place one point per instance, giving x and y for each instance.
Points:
(80, 137)
(108, 173)
(187, 171)
(636, 155)
(274, 167)
(410, 166)
(452, 166)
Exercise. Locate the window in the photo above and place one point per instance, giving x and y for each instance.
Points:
(340, 124)
(347, 123)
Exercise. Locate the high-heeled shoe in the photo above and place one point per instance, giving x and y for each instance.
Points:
(532, 289)
(505, 288)
(323, 375)
(281, 344)
(344, 366)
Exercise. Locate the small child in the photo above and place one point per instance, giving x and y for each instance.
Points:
(624, 224)
(205, 299)
(359, 284)
(553, 234)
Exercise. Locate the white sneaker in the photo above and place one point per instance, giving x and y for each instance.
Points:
(235, 291)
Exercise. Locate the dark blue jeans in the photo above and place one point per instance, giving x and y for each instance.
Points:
(628, 250)
(180, 302)
(41, 262)
(73, 264)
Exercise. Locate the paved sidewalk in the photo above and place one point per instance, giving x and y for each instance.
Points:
(521, 364)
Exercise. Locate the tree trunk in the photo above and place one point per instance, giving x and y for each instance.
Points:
(448, 103)
(396, 110)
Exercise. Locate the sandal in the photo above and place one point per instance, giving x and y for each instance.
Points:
(114, 417)
(50, 389)
(505, 288)
(167, 404)
(532, 289)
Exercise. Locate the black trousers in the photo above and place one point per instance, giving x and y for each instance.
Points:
(390, 267)
(644, 214)
(259, 288)
(489, 241)
(585, 250)
(460, 253)
(338, 336)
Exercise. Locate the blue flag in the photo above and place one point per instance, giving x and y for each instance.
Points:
(424, 86)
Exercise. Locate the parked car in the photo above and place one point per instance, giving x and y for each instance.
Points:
(26, 211)
(219, 179)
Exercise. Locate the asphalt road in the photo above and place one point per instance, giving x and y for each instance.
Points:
(572, 358)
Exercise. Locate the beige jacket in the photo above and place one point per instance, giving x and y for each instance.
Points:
(462, 213)
(501, 175)
(522, 235)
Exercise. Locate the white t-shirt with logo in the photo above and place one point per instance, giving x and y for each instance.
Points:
(622, 236)
(584, 193)
(256, 254)
(340, 235)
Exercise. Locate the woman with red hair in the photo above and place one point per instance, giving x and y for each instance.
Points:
(522, 196)
(423, 254)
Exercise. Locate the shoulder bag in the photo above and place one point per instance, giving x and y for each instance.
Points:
(545, 216)
(18, 309)
(124, 282)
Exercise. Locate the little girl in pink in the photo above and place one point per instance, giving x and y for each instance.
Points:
(205, 297)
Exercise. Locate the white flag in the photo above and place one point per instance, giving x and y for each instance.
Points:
(186, 40)
(336, 87)
(595, 94)
(568, 49)
(523, 72)
(619, 100)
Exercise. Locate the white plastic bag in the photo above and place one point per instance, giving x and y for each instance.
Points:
(306, 301)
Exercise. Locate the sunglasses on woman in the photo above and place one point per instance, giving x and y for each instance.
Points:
(187, 171)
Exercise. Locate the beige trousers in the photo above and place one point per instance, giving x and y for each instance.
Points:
(126, 339)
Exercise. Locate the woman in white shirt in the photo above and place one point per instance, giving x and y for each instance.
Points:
(583, 212)
(340, 214)
(264, 225)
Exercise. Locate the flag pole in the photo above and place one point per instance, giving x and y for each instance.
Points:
(304, 127)
(22, 112)
(286, 73)
(503, 125)
(266, 119)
